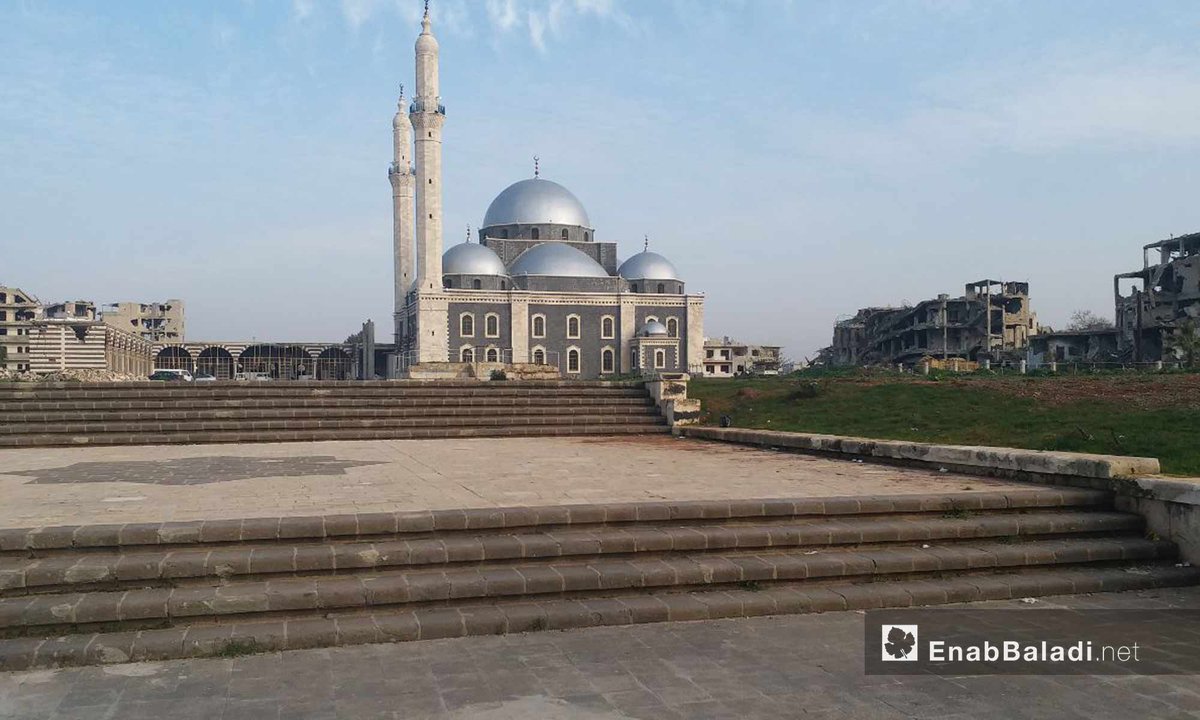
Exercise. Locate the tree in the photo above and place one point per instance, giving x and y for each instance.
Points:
(1087, 320)
(1185, 343)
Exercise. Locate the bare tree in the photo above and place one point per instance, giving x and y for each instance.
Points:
(1087, 320)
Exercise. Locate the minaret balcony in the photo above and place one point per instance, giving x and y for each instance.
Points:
(395, 169)
(419, 106)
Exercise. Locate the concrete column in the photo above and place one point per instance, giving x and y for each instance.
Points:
(519, 329)
(628, 322)
(693, 351)
(1022, 366)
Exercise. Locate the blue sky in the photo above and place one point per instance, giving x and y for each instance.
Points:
(796, 160)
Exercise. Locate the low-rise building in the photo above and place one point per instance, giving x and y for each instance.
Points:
(158, 322)
(726, 357)
(17, 311)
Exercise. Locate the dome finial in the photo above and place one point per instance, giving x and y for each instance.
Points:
(468, 232)
(425, 20)
(536, 168)
(646, 243)
(400, 100)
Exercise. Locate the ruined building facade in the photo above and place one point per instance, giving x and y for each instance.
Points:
(989, 319)
(1154, 303)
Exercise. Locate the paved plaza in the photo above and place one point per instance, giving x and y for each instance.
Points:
(69, 486)
(799, 666)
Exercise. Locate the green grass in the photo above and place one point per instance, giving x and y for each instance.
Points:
(905, 408)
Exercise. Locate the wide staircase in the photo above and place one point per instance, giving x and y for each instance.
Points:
(115, 593)
(152, 413)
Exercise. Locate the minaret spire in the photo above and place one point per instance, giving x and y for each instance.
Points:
(646, 244)
(536, 168)
(400, 173)
(427, 115)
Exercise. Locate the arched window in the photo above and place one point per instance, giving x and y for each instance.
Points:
(504, 233)
(503, 284)
(539, 326)
(634, 287)
(607, 327)
(661, 288)
(573, 360)
(572, 326)
(660, 358)
(651, 318)
(476, 283)
(491, 325)
(534, 234)
(466, 354)
(466, 325)
(565, 236)
(447, 282)
(492, 355)
(587, 237)
(634, 358)
(539, 356)
(673, 327)
(606, 360)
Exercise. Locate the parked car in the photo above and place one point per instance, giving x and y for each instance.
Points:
(172, 375)
(204, 377)
(253, 377)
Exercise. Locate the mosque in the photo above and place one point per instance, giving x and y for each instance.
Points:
(538, 286)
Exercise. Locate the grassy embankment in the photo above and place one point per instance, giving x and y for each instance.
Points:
(1146, 415)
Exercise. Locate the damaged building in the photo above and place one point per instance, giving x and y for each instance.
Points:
(989, 319)
(1152, 306)
(1154, 303)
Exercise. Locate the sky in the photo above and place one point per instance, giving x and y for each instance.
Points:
(795, 160)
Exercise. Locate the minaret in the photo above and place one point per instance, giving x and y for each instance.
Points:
(401, 175)
(428, 115)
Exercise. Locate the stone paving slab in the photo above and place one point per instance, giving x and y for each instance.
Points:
(96, 485)
(807, 666)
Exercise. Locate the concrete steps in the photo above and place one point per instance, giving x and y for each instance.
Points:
(77, 595)
(151, 413)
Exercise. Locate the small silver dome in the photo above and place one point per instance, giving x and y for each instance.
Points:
(472, 259)
(536, 202)
(653, 329)
(558, 260)
(648, 265)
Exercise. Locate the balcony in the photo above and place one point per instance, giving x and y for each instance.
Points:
(422, 106)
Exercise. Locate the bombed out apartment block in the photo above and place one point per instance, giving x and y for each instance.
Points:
(1154, 307)
(991, 318)
(1160, 301)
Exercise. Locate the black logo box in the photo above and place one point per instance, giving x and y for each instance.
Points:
(1120, 642)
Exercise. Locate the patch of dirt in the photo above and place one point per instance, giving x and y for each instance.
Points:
(1142, 392)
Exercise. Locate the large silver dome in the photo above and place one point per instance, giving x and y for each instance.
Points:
(558, 260)
(648, 265)
(536, 202)
(472, 259)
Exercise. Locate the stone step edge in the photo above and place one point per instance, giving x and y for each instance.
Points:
(647, 415)
(177, 412)
(12, 406)
(323, 384)
(61, 573)
(339, 593)
(206, 391)
(425, 521)
(403, 625)
(278, 436)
